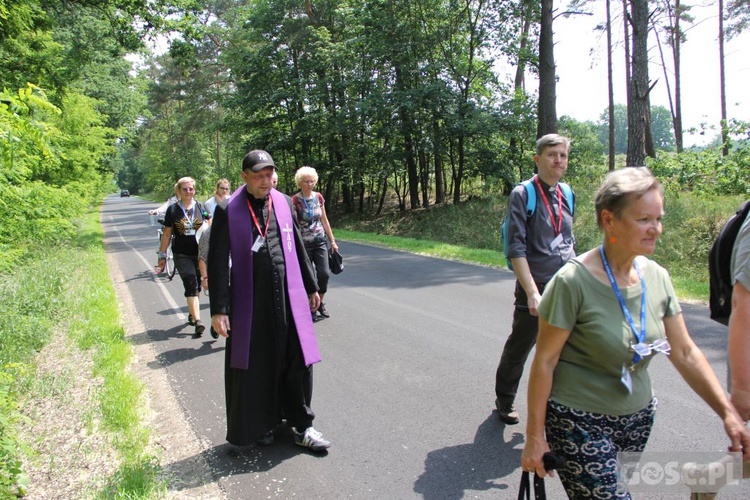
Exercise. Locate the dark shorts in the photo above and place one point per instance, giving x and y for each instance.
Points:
(187, 266)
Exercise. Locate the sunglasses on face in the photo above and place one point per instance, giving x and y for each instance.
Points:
(660, 345)
(188, 189)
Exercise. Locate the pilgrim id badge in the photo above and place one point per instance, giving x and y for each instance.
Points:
(556, 242)
(258, 244)
(627, 379)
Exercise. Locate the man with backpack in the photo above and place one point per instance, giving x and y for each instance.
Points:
(739, 323)
(538, 240)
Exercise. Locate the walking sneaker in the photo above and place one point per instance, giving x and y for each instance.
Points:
(507, 412)
(199, 328)
(311, 439)
(323, 311)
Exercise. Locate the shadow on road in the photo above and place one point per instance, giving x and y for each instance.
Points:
(450, 472)
(228, 461)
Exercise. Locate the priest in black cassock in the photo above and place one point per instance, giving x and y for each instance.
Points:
(262, 304)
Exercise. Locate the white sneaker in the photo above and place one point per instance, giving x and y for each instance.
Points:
(311, 439)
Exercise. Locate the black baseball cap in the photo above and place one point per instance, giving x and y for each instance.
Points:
(257, 160)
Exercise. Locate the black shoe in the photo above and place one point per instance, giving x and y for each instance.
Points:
(191, 321)
(266, 439)
(314, 317)
(214, 333)
(199, 329)
(507, 412)
(323, 312)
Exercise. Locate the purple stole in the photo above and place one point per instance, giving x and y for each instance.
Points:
(241, 241)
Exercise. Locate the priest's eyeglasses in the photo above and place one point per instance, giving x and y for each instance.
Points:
(659, 345)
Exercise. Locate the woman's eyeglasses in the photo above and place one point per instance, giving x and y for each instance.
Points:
(187, 190)
(224, 188)
(643, 349)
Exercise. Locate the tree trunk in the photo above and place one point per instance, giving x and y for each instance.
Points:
(610, 91)
(638, 103)
(723, 84)
(439, 174)
(677, 37)
(460, 172)
(547, 114)
(408, 137)
(425, 175)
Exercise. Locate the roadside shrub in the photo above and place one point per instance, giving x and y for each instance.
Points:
(706, 172)
(12, 480)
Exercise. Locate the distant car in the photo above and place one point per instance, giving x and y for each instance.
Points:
(124, 193)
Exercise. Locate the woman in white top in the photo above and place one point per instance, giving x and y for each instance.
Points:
(221, 193)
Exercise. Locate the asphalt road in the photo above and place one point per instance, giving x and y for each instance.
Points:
(405, 388)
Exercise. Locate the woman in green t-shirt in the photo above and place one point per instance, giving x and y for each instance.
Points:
(602, 318)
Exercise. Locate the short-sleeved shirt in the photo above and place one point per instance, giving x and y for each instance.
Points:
(181, 220)
(309, 214)
(740, 265)
(211, 205)
(532, 237)
(203, 244)
(587, 376)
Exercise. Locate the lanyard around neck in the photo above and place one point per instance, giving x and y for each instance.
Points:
(262, 234)
(556, 226)
(185, 211)
(639, 335)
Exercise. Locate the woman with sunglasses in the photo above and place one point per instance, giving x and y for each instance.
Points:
(602, 319)
(182, 220)
(221, 193)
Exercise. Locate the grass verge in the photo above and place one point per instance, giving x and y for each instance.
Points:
(63, 352)
(470, 232)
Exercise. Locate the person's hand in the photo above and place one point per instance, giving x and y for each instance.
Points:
(334, 246)
(314, 301)
(741, 401)
(738, 434)
(220, 324)
(160, 265)
(531, 457)
(533, 300)
(152, 212)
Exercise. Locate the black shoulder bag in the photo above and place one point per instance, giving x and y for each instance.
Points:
(551, 461)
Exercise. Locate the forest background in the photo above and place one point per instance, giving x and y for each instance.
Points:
(399, 105)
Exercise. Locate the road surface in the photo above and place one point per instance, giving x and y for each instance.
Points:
(405, 388)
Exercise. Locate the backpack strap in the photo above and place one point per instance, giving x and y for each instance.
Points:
(567, 192)
(528, 184)
(570, 198)
(201, 209)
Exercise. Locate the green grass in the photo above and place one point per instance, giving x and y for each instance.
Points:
(443, 250)
(470, 232)
(66, 291)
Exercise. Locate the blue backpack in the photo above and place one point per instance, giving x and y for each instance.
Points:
(528, 184)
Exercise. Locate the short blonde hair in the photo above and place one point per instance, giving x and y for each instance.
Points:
(220, 183)
(622, 187)
(180, 182)
(305, 172)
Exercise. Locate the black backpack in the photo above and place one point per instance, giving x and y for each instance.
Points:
(719, 262)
